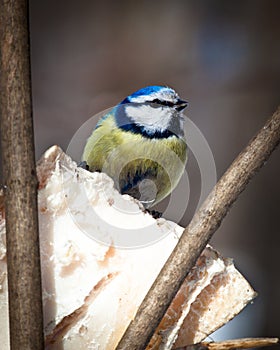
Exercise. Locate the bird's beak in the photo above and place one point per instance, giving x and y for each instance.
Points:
(180, 105)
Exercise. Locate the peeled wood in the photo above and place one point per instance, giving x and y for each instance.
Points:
(25, 306)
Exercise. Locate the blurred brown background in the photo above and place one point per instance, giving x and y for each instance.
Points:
(222, 56)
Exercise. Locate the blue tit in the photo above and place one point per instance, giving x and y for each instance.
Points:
(141, 144)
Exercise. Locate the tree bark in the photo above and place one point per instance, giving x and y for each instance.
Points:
(24, 281)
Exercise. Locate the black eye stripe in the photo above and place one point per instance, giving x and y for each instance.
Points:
(163, 103)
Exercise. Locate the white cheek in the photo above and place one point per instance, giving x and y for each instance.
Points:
(151, 118)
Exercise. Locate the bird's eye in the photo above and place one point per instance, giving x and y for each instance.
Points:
(158, 103)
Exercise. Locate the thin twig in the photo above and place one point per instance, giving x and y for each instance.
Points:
(245, 343)
(24, 282)
(195, 237)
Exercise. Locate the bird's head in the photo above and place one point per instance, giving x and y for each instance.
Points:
(154, 111)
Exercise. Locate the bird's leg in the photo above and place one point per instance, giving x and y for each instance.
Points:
(155, 214)
(83, 165)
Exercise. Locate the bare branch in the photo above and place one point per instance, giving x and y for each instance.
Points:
(200, 230)
(25, 305)
(244, 343)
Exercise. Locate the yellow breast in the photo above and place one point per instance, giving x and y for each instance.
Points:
(147, 169)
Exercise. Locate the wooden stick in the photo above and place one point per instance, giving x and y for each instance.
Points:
(24, 281)
(244, 343)
(195, 237)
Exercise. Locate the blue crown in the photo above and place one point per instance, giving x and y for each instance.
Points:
(146, 91)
